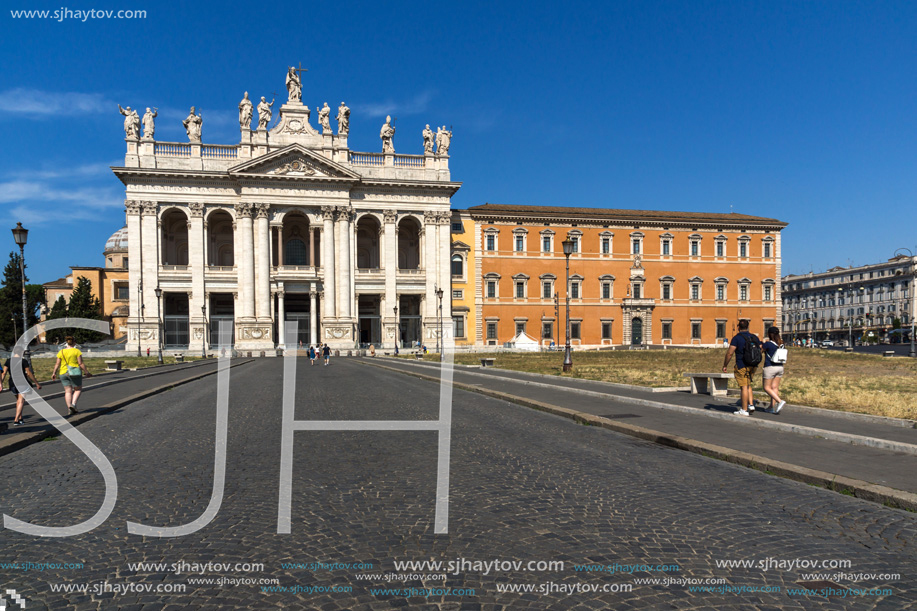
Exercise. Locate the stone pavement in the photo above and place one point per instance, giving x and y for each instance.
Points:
(101, 394)
(815, 451)
(525, 487)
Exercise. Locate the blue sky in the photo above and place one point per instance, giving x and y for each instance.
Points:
(806, 112)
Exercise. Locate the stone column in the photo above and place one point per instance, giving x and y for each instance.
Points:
(281, 317)
(445, 268)
(150, 245)
(345, 292)
(134, 262)
(328, 279)
(197, 263)
(262, 263)
(245, 264)
(429, 264)
(313, 316)
(390, 264)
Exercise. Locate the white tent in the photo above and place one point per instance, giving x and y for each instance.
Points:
(524, 342)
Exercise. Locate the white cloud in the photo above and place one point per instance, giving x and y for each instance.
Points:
(39, 203)
(89, 170)
(414, 106)
(37, 103)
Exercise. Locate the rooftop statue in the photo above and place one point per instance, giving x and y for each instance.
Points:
(194, 124)
(343, 120)
(131, 122)
(264, 113)
(294, 85)
(387, 133)
(149, 125)
(245, 112)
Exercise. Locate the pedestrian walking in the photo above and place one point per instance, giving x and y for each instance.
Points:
(747, 349)
(326, 353)
(26, 367)
(70, 368)
(774, 359)
(148, 351)
(311, 354)
(372, 350)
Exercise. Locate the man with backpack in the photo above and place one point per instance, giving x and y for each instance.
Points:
(747, 349)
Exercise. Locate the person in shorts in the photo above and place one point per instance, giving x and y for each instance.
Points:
(773, 372)
(26, 368)
(326, 353)
(70, 368)
(743, 373)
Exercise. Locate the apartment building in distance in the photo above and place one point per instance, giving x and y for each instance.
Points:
(637, 277)
(847, 303)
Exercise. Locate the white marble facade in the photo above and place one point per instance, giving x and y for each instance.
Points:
(288, 225)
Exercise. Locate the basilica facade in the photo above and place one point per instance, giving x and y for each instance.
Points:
(287, 225)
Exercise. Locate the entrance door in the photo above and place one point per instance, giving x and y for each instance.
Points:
(636, 331)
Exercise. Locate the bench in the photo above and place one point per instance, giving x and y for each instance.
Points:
(709, 383)
(888, 353)
(487, 362)
(113, 365)
(418, 356)
(179, 358)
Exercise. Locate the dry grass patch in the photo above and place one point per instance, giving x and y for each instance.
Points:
(854, 382)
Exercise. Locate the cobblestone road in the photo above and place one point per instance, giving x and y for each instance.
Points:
(525, 487)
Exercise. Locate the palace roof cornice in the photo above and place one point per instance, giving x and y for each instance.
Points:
(664, 218)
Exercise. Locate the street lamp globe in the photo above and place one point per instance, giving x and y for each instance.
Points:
(568, 246)
(20, 235)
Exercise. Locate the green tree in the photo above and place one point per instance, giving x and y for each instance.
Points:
(58, 310)
(84, 305)
(11, 302)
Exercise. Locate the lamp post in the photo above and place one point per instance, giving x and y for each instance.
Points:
(568, 357)
(440, 340)
(204, 339)
(397, 329)
(20, 234)
(158, 292)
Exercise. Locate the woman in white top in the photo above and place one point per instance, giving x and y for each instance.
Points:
(773, 372)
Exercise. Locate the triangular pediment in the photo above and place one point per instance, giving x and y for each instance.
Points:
(293, 161)
(459, 245)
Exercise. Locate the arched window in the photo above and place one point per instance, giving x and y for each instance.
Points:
(458, 265)
(295, 253)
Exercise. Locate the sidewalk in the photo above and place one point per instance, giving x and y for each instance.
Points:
(804, 443)
(100, 396)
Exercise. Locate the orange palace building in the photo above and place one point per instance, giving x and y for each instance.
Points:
(637, 277)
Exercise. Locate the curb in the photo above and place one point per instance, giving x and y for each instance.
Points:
(103, 383)
(890, 497)
(26, 439)
(807, 431)
(550, 377)
(733, 396)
